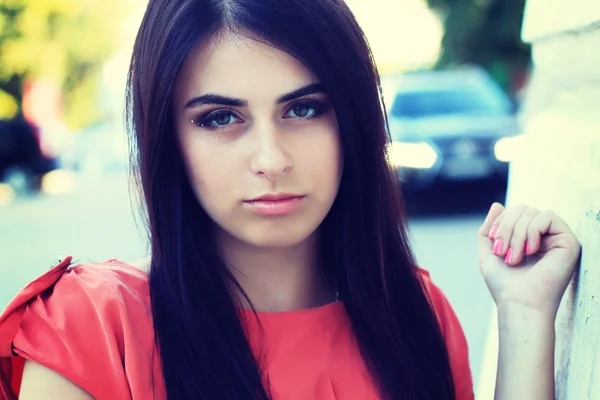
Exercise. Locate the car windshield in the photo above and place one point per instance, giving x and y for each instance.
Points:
(419, 104)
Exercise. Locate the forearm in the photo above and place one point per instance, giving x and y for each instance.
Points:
(526, 355)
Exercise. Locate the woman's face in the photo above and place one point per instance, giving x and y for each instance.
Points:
(260, 141)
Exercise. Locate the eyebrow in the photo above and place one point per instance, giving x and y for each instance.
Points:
(303, 91)
(215, 99)
(234, 102)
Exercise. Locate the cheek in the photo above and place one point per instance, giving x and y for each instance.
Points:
(327, 159)
(319, 164)
(209, 170)
(324, 156)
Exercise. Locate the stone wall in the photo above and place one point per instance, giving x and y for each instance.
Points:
(559, 169)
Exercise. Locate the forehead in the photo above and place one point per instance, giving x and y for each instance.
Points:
(241, 67)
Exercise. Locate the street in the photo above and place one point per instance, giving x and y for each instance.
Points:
(94, 222)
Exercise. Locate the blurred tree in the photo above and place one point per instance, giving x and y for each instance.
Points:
(59, 41)
(487, 33)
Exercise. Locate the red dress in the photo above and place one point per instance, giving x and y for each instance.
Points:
(92, 324)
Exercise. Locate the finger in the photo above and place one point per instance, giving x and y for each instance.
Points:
(506, 228)
(518, 241)
(484, 242)
(491, 219)
(556, 224)
(545, 223)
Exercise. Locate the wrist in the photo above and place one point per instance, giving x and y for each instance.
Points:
(517, 318)
(525, 353)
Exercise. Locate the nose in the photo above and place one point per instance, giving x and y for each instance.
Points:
(270, 158)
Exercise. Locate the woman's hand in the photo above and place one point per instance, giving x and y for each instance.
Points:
(527, 258)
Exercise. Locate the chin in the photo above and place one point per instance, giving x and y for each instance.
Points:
(268, 234)
(273, 240)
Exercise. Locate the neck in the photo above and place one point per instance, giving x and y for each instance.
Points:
(278, 279)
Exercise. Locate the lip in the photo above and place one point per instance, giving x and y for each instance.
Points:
(276, 197)
(275, 203)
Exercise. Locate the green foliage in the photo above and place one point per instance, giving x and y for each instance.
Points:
(484, 32)
(64, 41)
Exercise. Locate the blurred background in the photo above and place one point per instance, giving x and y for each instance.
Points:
(453, 74)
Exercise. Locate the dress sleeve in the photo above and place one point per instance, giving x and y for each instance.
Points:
(456, 341)
(72, 321)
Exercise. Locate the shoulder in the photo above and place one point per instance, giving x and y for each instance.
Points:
(109, 272)
(72, 287)
(456, 342)
(80, 320)
(142, 264)
(105, 281)
(103, 288)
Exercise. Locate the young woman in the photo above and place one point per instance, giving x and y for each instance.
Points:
(280, 267)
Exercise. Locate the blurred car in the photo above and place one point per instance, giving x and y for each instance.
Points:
(450, 125)
(25, 155)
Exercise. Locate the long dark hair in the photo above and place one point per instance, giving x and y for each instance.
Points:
(202, 343)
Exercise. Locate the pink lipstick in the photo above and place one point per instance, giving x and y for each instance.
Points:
(275, 204)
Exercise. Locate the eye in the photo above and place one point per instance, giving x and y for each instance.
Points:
(304, 110)
(217, 119)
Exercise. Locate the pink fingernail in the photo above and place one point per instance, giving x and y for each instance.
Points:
(527, 249)
(508, 258)
(493, 231)
(498, 247)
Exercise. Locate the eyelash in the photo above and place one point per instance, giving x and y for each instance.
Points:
(204, 120)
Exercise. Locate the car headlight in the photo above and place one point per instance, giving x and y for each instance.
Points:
(507, 149)
(411, 155)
